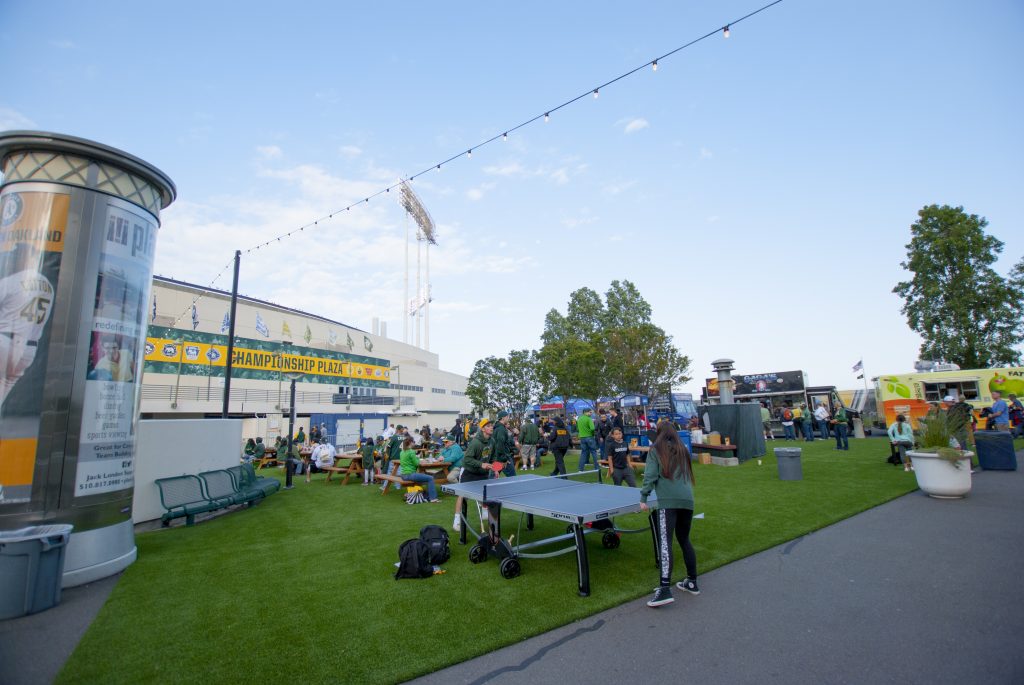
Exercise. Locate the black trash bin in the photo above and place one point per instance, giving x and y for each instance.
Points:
(31, 568)
(995, 450)
(788, 459)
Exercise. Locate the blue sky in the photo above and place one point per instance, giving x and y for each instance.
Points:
(761, 185)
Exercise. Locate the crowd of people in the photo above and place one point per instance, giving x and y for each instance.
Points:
(799, 422)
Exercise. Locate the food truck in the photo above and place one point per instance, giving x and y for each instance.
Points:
(913, 394)
(778, 388)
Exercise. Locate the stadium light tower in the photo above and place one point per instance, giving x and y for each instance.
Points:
(420, 306)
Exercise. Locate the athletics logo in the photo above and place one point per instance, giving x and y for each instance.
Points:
(12, 208)
(170, 350)
(191, 352)
(212, 354)
(150, 348)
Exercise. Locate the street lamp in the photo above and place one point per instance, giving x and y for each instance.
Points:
(398, 368)
(289, 468)
(180, 344)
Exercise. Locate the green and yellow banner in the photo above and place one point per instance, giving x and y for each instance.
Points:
(205, 354)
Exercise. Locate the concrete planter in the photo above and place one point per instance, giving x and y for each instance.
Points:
(936, 477)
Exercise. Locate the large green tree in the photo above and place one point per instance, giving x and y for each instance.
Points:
(608, 346)
(509, 383)
(963, 309)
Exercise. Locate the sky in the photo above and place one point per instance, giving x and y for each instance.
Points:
(758, 190)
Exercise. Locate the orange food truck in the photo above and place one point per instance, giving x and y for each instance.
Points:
(911, 394)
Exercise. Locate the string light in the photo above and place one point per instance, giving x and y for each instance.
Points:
(547, 114)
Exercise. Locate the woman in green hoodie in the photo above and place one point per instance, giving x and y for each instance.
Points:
(669, 474)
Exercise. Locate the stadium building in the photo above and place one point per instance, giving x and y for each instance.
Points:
(354, 381)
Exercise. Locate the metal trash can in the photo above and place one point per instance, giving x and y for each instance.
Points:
(788, 459)
(31, 568)
(995, 450)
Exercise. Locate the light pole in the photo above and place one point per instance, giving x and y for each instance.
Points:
(289, 468)
(398, 367)
(180, 343)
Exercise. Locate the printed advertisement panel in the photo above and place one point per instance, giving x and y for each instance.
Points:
(205, 354)
(107, 445)
(32, 232)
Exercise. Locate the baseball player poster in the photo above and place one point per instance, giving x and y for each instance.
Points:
(106, 448)
(32, 231)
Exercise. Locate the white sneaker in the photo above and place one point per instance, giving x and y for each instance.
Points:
(457, 523)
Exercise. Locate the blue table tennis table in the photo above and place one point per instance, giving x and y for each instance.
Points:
(586, 508)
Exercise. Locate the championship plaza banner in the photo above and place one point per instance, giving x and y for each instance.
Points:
(205, 354)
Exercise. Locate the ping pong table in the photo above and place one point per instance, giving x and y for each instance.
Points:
(586, 508)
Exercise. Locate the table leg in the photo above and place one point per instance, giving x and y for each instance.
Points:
(465, 524)
(582, 563)
(529, 522)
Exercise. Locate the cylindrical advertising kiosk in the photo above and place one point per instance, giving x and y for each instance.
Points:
(78, 228)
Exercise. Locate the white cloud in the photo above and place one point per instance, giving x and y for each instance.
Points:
(635, 125)
(713, 219)
(616, 188)
(350, 151)
(269, 151)
(705, 153)
(577, 221)
(197, 243)
(12, 120)
(560, 176)
(478, 192)
(62, 44)
(509, 169)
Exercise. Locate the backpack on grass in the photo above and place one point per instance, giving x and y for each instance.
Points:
(436, 539)
(414, 560)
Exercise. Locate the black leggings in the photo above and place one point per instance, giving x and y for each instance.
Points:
(559, 453)
(665, 522)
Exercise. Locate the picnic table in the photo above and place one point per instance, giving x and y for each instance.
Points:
(438, 469)
(354, 467)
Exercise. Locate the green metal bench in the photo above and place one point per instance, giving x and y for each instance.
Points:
(184, 496)
(220, 484)
(246, 478)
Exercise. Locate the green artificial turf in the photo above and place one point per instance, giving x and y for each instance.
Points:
(301, 586)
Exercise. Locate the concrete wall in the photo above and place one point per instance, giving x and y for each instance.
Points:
(175, 447)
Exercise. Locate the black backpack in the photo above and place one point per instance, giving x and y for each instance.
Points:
(414, 560)
(436, 539)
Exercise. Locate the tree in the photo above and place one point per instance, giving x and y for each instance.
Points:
(504, 382)
(601, 347)
(963, 309)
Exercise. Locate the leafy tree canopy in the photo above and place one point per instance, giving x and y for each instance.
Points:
(963, 309)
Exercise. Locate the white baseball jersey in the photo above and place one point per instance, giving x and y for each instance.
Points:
(26, 299)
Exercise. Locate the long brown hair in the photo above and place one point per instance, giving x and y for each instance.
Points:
(673, 456)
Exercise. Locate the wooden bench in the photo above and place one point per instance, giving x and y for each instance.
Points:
(392, 478)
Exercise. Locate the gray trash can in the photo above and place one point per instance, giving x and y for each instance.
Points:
(789, 463)
(31, 568)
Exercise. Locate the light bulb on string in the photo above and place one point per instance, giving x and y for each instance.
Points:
(504, 136)
(547, 116)
(654, 65)
(595, 93)
(469, 153)
(725, 32)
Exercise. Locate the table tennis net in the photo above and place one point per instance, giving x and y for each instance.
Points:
(510, 488)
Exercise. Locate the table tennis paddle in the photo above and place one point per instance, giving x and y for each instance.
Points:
(497, 467)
